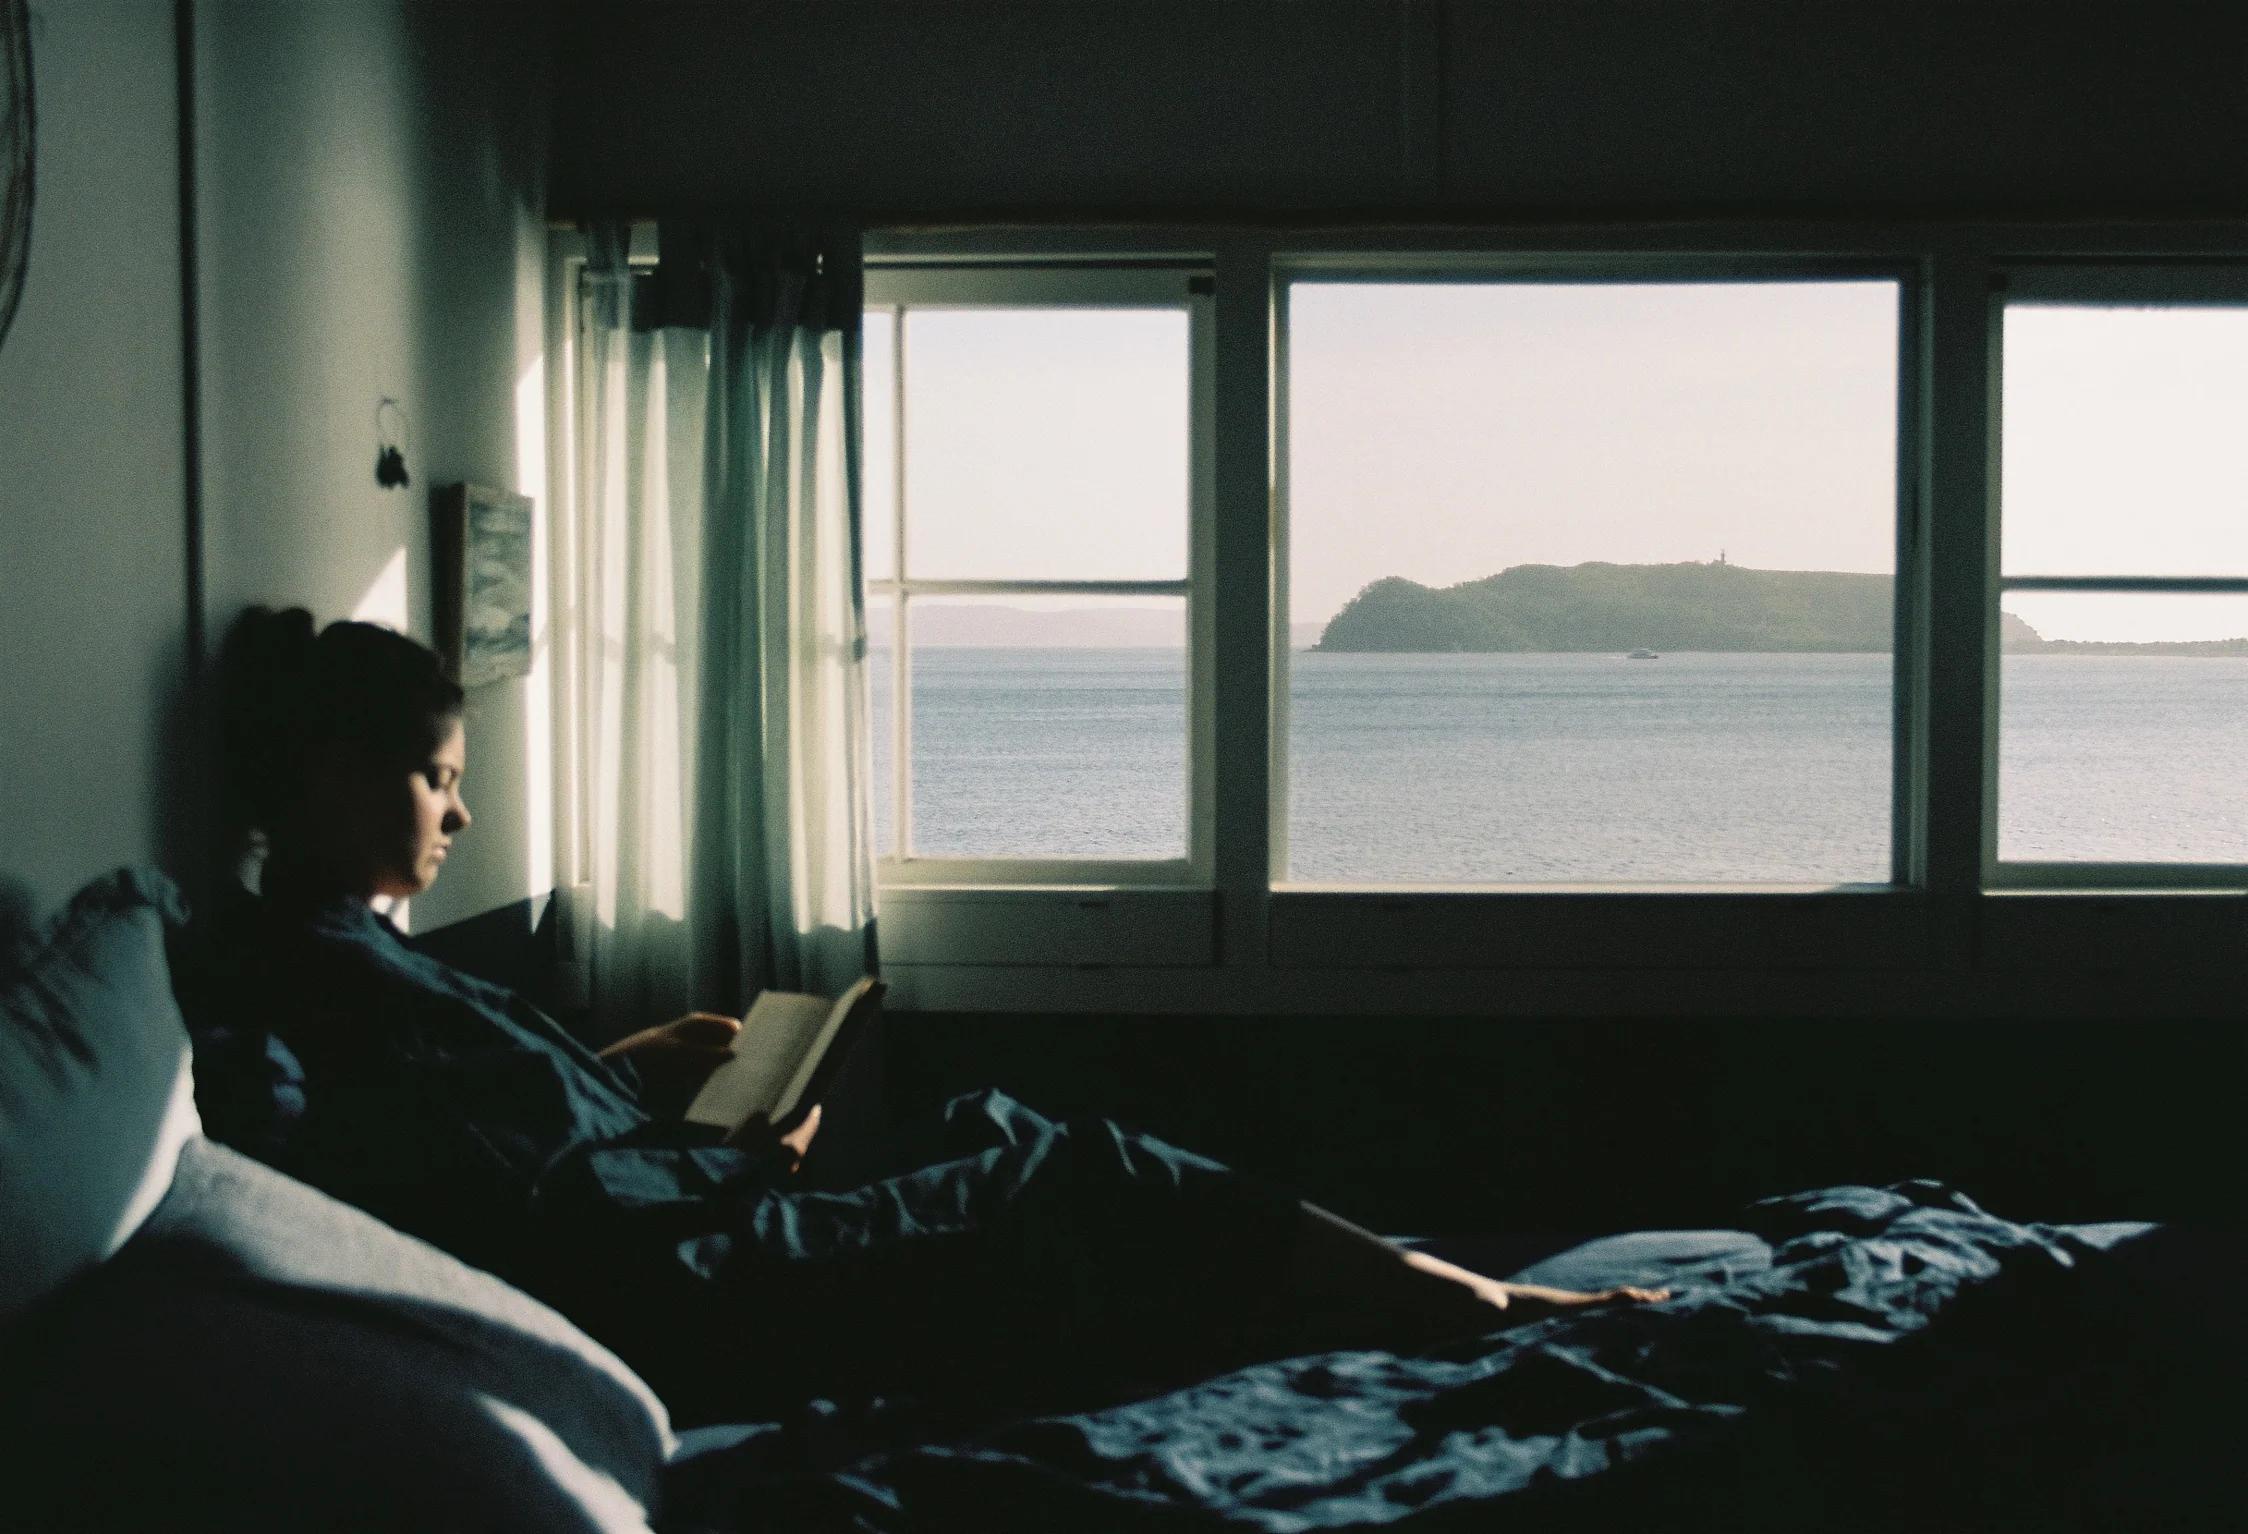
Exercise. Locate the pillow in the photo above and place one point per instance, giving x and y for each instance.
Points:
(95, 1089)
(261, 1356)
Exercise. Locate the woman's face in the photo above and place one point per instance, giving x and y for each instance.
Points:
(408, 835)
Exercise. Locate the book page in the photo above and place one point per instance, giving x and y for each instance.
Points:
(782, 1028)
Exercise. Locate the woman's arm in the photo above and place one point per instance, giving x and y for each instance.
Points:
(674, 1059)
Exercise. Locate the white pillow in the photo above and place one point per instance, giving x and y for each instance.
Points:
(211, 1344)
(180, 1124)
(96, 1095)
(263, 1357)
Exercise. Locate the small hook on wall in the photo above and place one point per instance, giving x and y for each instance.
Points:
(391, 431)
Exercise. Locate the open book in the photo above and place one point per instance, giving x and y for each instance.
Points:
(785, 1058)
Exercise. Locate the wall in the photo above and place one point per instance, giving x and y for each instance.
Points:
(371, 224)
(93, 553)
(1389, 108)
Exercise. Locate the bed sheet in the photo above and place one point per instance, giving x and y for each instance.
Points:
(1848, 1358)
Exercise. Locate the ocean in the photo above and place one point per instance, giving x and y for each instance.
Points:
(1697, 768)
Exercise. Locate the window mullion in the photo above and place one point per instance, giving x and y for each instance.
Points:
(1962, 477)
(1247, 543)
(1027, 588)
(1909, 703)
(2164, 585)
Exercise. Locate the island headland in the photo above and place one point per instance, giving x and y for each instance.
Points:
(1714, 606)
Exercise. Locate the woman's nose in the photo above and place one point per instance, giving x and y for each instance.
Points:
(457, 818)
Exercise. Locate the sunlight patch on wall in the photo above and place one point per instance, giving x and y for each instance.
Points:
(530, 430)
(385, 601)
(538, 772)
(538, 701)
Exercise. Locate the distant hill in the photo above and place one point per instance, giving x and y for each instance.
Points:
(1607, 607)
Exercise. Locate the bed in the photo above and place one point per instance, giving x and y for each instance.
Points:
(189, 1339)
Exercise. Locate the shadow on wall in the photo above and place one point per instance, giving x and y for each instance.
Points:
(185, 809)
(19, 907)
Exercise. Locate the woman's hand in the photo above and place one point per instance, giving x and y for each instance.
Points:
(798, 1141)
(674, 1059)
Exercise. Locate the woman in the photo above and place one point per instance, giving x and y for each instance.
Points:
(1028, 1260)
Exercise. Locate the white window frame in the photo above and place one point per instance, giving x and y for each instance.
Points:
(2137, 284)
(903, 284)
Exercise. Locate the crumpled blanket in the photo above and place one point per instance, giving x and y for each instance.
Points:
(1907, 1361)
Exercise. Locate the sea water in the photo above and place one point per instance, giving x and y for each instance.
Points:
(1565, 768)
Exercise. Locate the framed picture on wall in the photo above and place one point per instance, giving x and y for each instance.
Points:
(483, 575)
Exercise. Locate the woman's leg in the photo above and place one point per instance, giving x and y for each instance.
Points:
(1063, 1262)
(1355, 1286)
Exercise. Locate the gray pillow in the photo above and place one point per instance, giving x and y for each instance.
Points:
(95, 1095)
(260, 1356)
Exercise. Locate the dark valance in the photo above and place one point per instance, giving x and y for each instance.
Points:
(800, 276)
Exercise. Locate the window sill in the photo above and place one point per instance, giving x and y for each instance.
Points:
(1874, 950)
(2152, 931)
(1857, 927)
(1049, 926)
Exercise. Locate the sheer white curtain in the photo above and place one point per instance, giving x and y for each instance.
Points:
(716, 736)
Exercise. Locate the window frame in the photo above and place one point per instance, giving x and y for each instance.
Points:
(2069, 282)
(904, 282)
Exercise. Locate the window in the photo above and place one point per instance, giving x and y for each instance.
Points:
(1590, 581)
(1035, 492)
(2123, 578)
(1254, 623)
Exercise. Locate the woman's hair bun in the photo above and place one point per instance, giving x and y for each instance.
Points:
(264, 674)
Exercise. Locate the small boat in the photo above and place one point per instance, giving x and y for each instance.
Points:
(1643, 655)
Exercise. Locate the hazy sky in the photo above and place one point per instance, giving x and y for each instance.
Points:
(2126, 453)
(1444, 432)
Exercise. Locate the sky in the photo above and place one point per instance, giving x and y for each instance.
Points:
(1446, 431)
(2126, 453)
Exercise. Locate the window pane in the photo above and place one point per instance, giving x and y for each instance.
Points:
(1046, 444)
(878, 446)
(2124, 448)
(2123, 723)
(1498, 492)
(1049, 729)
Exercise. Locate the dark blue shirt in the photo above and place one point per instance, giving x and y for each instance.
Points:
(450, 1107)
(457, 1111)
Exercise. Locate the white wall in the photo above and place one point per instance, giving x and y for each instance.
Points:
(371, 220)
(93, 583)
